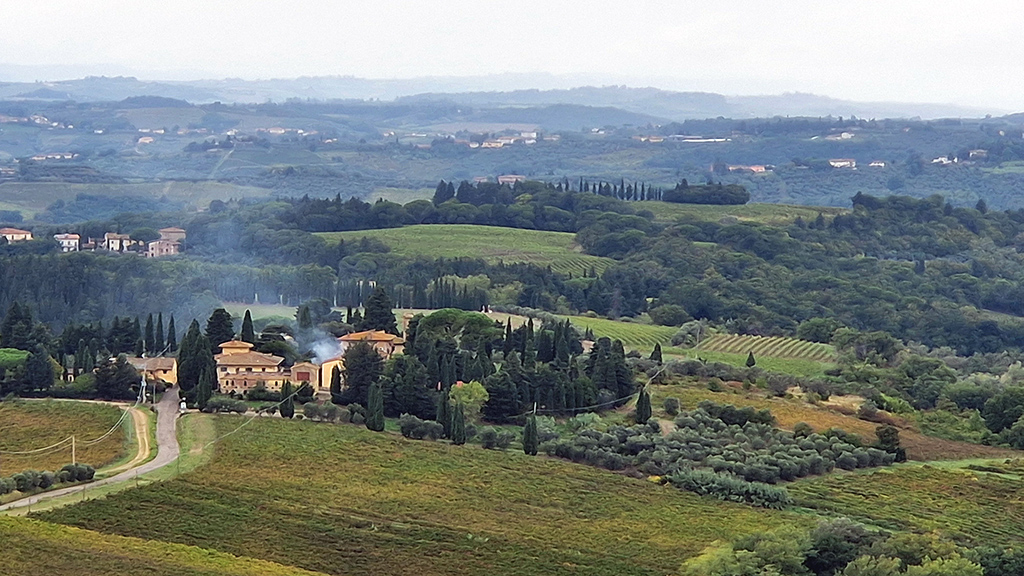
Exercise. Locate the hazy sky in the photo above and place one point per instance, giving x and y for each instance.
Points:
(969, 53)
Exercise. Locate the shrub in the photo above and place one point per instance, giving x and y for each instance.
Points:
(671, 406)
(730, 488)
(492, 439)
(223, 404)
(416, 429)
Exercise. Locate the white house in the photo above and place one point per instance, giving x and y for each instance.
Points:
(68, 242)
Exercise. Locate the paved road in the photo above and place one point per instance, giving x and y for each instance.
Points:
(167, 452)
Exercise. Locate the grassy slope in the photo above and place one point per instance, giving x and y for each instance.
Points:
(32, 547)
(789, 412)
(765, 213)
(492, 243)
(343, 500)
(984, 507)
(29, 424)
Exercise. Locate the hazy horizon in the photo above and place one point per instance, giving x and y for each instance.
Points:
(919, 52)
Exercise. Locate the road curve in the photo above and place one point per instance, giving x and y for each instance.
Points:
(167, 452)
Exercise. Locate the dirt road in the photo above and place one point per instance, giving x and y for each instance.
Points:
(167, 452)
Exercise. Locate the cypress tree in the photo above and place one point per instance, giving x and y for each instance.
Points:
(149, 336)
(172, 336)
(304, 318)
(643, 407)
(656, 353)
(248, 334)
(458, 434)
(39, 370)
(503, 398)
(158, 336)
(287, 409)
(375, 408)
(363, 367)
(336, 385)
(444, 412)
(205, 388)
(751, 362)
(530, 435)
(509, 342)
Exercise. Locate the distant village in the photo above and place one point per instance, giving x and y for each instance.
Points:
(171, 242)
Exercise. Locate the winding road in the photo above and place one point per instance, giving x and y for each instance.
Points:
(167, 452)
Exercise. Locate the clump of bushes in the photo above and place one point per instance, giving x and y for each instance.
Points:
(730, 488)
(740, 444)
(492, 439)
(413, 427)
(28, 480)
(223, 404)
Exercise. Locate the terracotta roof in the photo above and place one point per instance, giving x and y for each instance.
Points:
(13, 231)
(152, 364)
(372, 336)
(236, 344)
(67, 236)
(248, 359)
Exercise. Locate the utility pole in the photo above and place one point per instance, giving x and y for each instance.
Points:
(74, 458)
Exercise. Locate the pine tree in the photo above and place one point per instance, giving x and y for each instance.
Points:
(287, 408)
(375, 408)
(444, 412)
(643, 407)
(751, 362)
(336, 385)
(204, 391)
(458, 433)
(248, 334)
(219, 329)
(158, 336)
(530, 435)
(379, 314)
(172, 336)
(656, 353)
(149, 337)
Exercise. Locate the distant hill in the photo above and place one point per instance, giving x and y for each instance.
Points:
(482, 91)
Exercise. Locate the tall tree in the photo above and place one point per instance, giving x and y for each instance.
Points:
(115, 379)
(336, 385)
(443, 414)
(172, 336)
(304, 318)
(248, 334)
(530, 435)
(363, 367)
(158, 336)
(204, 391)
(375, 408)
(378, 314)
(656, 353)
(643, 406)
(751, 362)
(458, 434)
(219, 329)
(149, 336)
(16, 330)
(39, 370)
(194, 357)
(287, 408)
(502, 398)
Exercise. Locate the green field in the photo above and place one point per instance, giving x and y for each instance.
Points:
(640, 336)
(33, 547)
(763, 213)
(794, 366)
(29, 424)
(491, 243)
(986, 508)
(343, 500)
(772, 346)
(32, 197)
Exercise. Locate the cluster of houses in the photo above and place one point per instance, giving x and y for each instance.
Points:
(169, 243)
(241, 369)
